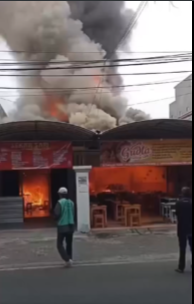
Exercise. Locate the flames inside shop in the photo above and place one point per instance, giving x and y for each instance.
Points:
(33, 172)
(143, 186)
(120, 176)
(37, 189)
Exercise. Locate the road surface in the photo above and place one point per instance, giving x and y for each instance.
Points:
(20, 249)
(143, 283)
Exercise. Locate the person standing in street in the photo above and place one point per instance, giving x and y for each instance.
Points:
(64, 214)
(184, 210)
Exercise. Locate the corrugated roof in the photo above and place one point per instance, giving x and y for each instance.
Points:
(52, 131)
(151, 129)
(43, 130)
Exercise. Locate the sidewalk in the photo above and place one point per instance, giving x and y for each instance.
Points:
(38, 247)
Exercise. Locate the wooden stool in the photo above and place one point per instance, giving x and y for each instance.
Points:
(126, 212)
(99, 221)
(134, 216)
(134, 220)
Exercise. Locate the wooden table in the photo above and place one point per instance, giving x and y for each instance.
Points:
(99, 209)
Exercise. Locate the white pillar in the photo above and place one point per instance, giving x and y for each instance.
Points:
(83, 198)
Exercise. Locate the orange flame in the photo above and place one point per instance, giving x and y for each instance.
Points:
(35, 188)
(53, 106)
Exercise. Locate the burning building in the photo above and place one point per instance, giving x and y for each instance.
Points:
(68, 87)
(63, 56)
(135, 164)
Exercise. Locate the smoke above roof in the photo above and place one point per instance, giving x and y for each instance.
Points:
(57, 34)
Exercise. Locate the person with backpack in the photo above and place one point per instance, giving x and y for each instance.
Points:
(184, 210)
(64, 214)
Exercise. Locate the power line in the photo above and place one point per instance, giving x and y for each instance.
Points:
(100, 75)
(139, 59)
(89, 52)
(92, 67)
(89, 88)
(174, 56)
(138, 14)
(130, 105)
(75, 93)
(157, 100)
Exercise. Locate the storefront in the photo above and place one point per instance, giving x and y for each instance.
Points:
(136, 164)
(33, 172)
(141, 173)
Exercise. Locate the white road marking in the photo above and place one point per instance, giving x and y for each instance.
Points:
(43, 266)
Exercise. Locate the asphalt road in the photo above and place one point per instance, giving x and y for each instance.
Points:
(136, 284)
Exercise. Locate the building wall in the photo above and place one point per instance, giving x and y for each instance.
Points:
(182, 107)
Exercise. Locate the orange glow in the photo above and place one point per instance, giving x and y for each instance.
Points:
(132, 179)
(53, 107)
(36, 193)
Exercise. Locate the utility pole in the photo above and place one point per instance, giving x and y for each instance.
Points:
(2, 112)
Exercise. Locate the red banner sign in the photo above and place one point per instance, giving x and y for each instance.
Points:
(35, 155)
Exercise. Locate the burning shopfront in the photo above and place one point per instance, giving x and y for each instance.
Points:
(123, 167)
(32, 171)
(141, 173)
(36, 159)
(69, 78)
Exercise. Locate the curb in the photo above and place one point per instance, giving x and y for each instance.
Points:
(146, 230)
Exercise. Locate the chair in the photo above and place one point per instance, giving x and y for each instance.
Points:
(99, 221)
(134, 216)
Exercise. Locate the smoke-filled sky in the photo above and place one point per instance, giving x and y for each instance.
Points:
(158, 30)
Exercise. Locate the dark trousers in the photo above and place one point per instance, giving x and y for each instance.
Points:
(66, 252)
(183, 239)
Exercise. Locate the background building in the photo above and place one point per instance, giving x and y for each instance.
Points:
(182, 107)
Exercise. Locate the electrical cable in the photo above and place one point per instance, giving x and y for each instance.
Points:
(90, 67)
(139, 59)
(89, 88)
(130, 105)
(100, 75)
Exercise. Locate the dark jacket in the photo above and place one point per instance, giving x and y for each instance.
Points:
(184, 210)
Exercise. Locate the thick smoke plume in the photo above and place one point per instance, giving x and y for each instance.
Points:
(58, 33)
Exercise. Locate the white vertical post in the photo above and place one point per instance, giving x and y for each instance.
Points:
(83, 198)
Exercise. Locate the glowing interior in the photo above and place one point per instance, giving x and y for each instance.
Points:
(132, 179)
(139, 185)
(36, 193)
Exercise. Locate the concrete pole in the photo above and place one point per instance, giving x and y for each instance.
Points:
(83, 198)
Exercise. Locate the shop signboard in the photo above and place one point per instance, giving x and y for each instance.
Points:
(149, 153)
(35, 155)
